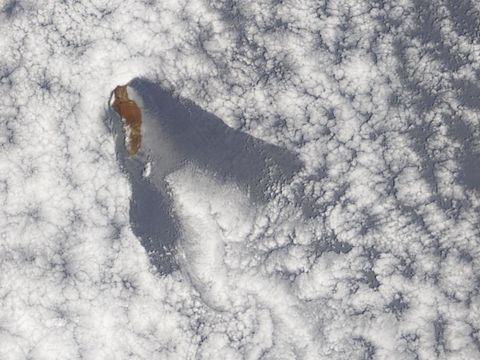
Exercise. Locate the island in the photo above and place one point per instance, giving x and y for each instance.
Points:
(131, 118)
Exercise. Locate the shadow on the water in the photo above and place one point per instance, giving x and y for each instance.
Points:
(176, 132)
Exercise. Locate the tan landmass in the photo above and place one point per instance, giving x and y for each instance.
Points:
(131, 118)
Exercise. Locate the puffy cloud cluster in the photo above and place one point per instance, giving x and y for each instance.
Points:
(368, 252)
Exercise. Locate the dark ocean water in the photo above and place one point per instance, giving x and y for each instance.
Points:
(175, 133)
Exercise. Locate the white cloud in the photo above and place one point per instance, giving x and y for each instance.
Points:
(369, 251)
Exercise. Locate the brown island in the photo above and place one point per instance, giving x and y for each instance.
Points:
(131, 118)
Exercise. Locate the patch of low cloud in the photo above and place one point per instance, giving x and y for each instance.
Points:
(367, 251)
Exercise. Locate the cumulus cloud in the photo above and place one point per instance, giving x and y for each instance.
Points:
(364, 250)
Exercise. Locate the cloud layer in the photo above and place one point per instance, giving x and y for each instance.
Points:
(369, 251)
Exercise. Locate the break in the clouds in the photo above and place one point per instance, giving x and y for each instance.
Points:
(353, 234)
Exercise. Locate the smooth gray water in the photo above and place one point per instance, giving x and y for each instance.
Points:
(176, 132)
